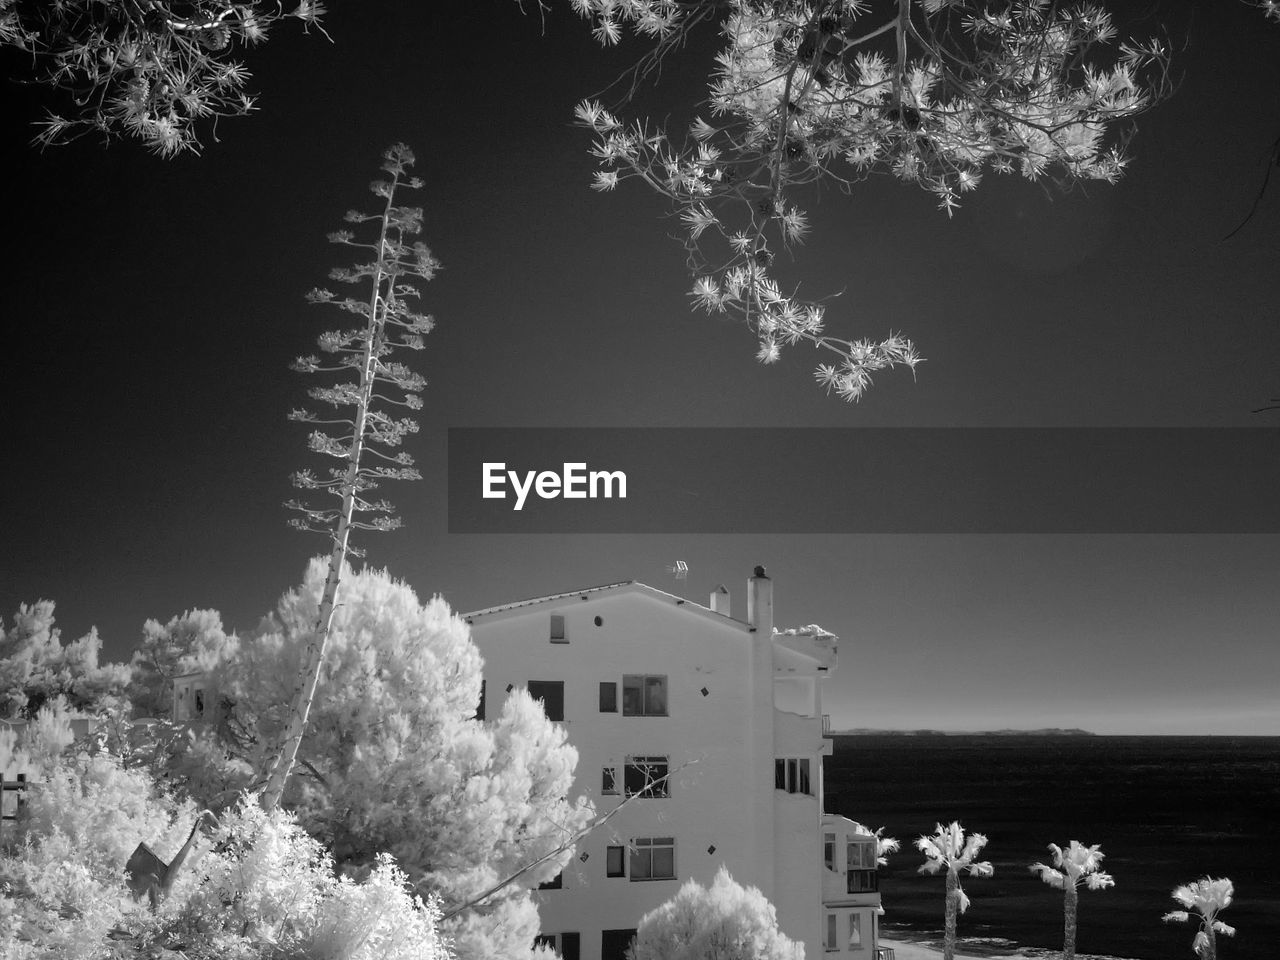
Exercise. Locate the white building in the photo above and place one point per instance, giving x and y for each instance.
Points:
(647, 684)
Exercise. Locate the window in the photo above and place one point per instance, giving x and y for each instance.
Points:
(641, 775)
(568, 945)
(644, 696)
(609, 780)
(855, 930)
(831, 941)
(199, 703)
(860, 869)
(608, 697)
(557, 629)
(653, 858)
(829, 850)
(615, 861)
(862, 880)
(555, 883)
(551, 693)
(861, 854)
(792, 775)
(480, 707)
(614, 944)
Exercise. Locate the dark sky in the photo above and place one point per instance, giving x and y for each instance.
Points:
(152, 308)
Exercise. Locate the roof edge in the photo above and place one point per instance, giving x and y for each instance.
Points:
(624, 586)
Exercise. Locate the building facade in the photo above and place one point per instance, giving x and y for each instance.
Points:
(192, 694)
(709, 732)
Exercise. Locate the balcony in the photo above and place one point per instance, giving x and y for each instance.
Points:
(826, 724)
(862, 881)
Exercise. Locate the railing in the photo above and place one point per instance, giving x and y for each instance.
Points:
(826, 724)
(884, 953)
(862, 881)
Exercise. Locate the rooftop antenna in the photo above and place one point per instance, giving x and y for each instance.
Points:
(679, 569)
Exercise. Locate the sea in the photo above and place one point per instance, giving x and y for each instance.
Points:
(1166, 811)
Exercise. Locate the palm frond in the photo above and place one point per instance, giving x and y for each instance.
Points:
(973, 846)
(1074, 864)
(1099, 881)
(1053, 877)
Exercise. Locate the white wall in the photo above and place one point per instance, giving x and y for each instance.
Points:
(186, 688)
(639, 634)
(713, 800)
(837, 900)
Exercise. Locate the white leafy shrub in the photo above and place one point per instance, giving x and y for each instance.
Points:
(266, 881)
(257, 886)
(726, 921)
(62, 866)
(376, 918)
(106, 810)
(59, 899)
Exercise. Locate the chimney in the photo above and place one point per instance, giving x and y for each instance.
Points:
(760, 602)
(761, 816)
(720, 600)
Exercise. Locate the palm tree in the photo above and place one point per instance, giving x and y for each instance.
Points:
(1077, 863)
(1206, 897)
(949, 848)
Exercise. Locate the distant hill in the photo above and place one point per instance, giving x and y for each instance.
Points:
(1042, 732)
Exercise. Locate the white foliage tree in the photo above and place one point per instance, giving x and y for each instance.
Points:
(1071, 867)
(268, 888)
(948, 849)
(263, 887)
(37, 667)
(91, 799)
(935, 93)
(1269, 7)
(188, 756)
(725, 921)
(194, 641)
(1203, 900)
(394, 760)
(158, 71)
(62, 862)
(34, 747)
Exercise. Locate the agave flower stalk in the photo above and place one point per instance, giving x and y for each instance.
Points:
(949, 848)
(389, 324)
(1071, 867)
(1207, 897)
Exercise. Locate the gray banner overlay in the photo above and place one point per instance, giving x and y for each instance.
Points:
(784, 480)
